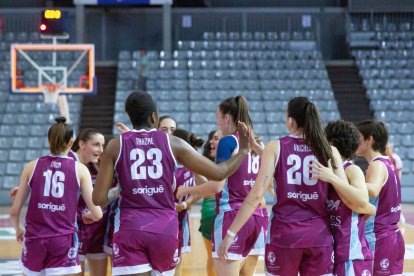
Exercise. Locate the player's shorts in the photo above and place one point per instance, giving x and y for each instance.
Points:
(50, 256)
(141, 252)
(259, 246)
(387, 261)
(353, 267)
(306, 261)
(184, 237)
(244, 240)
(110, 226)
(91, 241)
(208, 216)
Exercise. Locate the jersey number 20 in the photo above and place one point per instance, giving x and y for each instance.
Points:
(140, 172)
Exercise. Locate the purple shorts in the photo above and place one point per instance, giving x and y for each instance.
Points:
(184, 237)
(389, 255)
(259, 246)
(307, 261)
(244, 240)
(109, 230)
(51, 256)
(354, 267)
(91, 241)
(136, 251)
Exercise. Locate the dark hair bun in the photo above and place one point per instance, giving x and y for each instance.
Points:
(60, 119)
(196, 142)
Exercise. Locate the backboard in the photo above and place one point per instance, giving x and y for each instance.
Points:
(71, 67)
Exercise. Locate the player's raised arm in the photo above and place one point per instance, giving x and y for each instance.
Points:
(197, 163)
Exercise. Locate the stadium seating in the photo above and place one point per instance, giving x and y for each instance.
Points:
(268, 69)
(387, 71)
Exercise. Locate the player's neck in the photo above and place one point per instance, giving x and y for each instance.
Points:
(370, 155)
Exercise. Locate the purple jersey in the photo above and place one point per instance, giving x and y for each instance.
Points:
(183, 177)
(53, 197)
(347, 228)
(145, 170)
(299, 216)
(388, 204)
(239, 184)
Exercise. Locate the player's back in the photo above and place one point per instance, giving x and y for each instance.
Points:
(299, 218)
(183, 177)
(347, 228)
(239, 184)
(145, 170)
(388, 204)
(53, 200)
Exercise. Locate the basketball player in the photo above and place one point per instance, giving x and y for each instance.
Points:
(144, 160)
(167, 124)
(299, 238)
(384, 190)
(50, 244)
(208, 208)
(87, 149)
(231, 192)
(347, 203)
(185, 177)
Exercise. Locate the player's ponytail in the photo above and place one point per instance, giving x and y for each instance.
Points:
(59, 135)
(306, 115)
(243, 111)
(237, 108)
(189, 137)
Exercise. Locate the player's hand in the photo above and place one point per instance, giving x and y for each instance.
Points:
(13, 193)
(244, 137)
(180, 207)
(319, 171)
(88, 218)
(224, 247)
(181, 192)
(122, 127)
(20, 234)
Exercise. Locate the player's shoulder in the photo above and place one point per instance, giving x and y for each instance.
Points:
(229, 140)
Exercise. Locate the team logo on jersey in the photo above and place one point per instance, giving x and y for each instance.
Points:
(271, 257)
(56, 164)
(333, 257)
(236, 238)
(333, 205)
(176, 256)
(115, 249)
(72, 253)
(366, 273)
(385, 263)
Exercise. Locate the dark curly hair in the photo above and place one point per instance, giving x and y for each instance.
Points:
(344, 136)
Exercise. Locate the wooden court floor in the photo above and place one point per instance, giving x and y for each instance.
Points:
(194, 263)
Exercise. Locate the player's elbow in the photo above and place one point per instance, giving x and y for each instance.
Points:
(97, 199)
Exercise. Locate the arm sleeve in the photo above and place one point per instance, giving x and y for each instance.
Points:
(225, 148)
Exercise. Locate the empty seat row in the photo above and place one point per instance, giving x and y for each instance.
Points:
(235, 36)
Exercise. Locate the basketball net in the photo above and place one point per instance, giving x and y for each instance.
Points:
(51, 92)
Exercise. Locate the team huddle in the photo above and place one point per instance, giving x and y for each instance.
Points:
(329, 218)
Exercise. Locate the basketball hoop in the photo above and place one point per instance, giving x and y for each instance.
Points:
(51, 92)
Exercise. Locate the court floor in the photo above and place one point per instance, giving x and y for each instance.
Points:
(193, 263)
